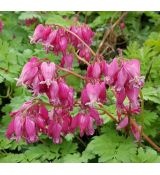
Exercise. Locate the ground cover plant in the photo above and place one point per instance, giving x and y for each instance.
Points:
(79, 87)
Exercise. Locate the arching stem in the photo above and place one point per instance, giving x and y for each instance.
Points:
(71, 72)
(57, 25)
(156, 147)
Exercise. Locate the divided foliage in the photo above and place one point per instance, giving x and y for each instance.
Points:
(139, 39)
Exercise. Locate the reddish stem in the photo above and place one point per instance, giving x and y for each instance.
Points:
(136, 126)
(94, 54)
(145, 136)
(71, 72)
(81, 59)
(106, 112)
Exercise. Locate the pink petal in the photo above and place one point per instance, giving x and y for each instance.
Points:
(48, 71)
(10, 130)
(93, 92)
(30, 128)
(57, 133)
(135, 132)
(123, 123)
(18, 124)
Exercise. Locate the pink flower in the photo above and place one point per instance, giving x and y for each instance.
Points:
(93, 92)
(56, 132)
(129, 75)
(50, 41)
(85, 124)
(30, 127)
(84, 97)
(132, 94)
(60, 43)
(27, 122)
(38, 76)
(125, 79)
(42, 119)
(48, 72)
(63, 44)
(63, 90)
(120, 97)
(95, 115)
(94, 70)
(111, 72)
(10, 130)
(87, 34)
(136, 132)
(123, 123)
(18, 126)
(61, 94)
(66, 94)
(52, 93)
(41, 123)
(122, 79)
(59, 125)
(85, 121)
(103, 65)
(38, 33)
(29, 71)
(84, 32)
(37, 85)
(85, 53)
(133, 69)
(102, 95)
(43, 112)
(58, 40)
(67, 61)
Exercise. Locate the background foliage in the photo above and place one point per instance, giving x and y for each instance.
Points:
(139, 39)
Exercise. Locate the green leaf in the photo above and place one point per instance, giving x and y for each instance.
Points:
(56, 19)
(149, 117)
(75, 82)
(36, 152)
(147, 155)
(12, 158)
(72, 158)
(151, 94)
(112, 147)
(28, 15)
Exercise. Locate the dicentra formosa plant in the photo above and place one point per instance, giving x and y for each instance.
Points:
(41, 76)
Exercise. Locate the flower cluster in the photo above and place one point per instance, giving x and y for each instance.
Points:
(84, 120)
(93, 93)
(126, 81)
(41, 76)
(59, 40)
(123, 77)
(27, 122)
